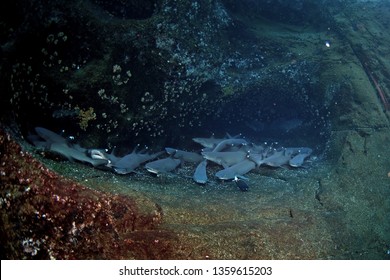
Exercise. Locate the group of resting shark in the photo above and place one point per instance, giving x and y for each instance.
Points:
(235, 154)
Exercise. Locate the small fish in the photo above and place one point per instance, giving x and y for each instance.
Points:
(241, 184)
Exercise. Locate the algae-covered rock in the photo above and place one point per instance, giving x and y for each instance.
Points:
(46, 216)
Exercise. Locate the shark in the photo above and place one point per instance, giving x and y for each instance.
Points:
(208, 142)
(273, 158)
(212, 142)
(50, 136)
(228, 143)
(73, 154)
(235, 154)
(163, 165)
(226, 159)
(298, 159)
(55, 143)
(130, 162)
(236, 170)
(278, 158)
(184, 155)
(103, 154)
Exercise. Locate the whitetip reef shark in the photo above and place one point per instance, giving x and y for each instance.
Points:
(130, 162)
(184, 155)
(226, 159)
(235, 154)
(164, 165)
(55, 143)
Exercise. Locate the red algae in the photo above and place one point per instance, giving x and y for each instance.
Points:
(46, 216)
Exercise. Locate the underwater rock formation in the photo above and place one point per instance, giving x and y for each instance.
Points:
(45, 216)
(158, 72)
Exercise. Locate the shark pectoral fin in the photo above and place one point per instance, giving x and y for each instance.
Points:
(242, 177)
(122, 171)
(224, 164)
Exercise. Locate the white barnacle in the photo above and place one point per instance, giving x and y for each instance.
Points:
(116, 68)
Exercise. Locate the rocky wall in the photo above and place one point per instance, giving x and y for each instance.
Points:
(46, 216)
